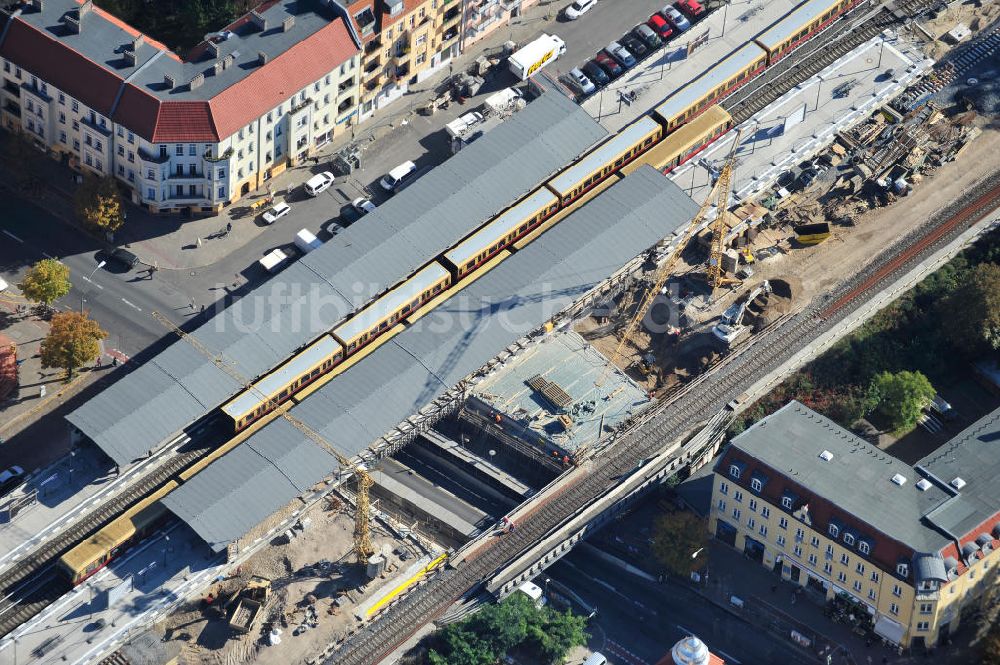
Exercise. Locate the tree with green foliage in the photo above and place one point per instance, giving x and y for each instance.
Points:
(72, 342)
(45, 282)
(677, 537)
(99, 204)
(515, 623)
(972, 310)
(900, 398)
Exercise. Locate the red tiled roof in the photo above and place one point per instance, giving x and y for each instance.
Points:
(56, 63)
(181, 122)
(952, 551)
(282, 77)
(886, 552)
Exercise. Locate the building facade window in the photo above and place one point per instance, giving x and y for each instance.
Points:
(814, 541)
(723, 488)
(722, 505)
(926, 608)
(902, 570)
(874, 576)
(751, 524)
(834, 530)
(897, 591)
(753, 504)
(894, 609)
(798, 550)
(871, 594)
(734, 471)
(738, 496)
(844, 559)
(827, 568)
(849, 539)
(780, 540)
(841, 577)
(765, 512)
(860, 568)
(864, 547)
(736, 513)
(786, 502)
(763, 530)
(812, 560)
(857, 586)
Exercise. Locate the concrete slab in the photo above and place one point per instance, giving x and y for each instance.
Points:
(568, 361)
(771, 144)
(671, 67)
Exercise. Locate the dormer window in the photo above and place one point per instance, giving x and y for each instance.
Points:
(834, 530)
(849, 539)
(756, 485)
(902, 569)
(734, 471)
(786, 502)
(864, 547)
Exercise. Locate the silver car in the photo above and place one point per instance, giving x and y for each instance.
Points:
(581, 81)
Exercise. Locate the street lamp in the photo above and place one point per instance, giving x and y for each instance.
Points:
(697, 552)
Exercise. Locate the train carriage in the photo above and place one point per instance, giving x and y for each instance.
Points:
(100, 549)
(607, 158)
(734, 71)
(686, 142)
(304, 367)
(503, 232)
(799, 25)
(392, 307)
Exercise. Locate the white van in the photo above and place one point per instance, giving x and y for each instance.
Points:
(318, 183)
(395, 177)
(596, 658)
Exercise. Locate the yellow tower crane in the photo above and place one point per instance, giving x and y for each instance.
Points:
(716, 275)
(719, 193)
(362, 539)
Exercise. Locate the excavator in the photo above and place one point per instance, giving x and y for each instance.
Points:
(733, 325)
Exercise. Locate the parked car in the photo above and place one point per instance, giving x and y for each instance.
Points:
(676, 18)
(621, 54)
(581, 81)
(11, 479)
(125, 257)
(635, 46)
(660, 26)
(363, 205)
(609, 65)
(692, 8)
(394, 178)
(348, 215)
(333, 227)
(648, 37)
(319, 183)
(594, 72)
(276, 212)
(578, 8)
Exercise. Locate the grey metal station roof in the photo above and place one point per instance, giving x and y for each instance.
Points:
(457, 197)
(419, 364)
(166, 394)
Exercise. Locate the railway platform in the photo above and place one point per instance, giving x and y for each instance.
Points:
(668, 69)
(55, 497)
(805, 120)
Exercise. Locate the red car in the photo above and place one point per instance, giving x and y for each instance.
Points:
(608, 64)
(690, 7)
(660, 26)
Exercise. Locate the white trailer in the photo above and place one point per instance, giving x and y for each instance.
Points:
(306, 241)
(533, 56)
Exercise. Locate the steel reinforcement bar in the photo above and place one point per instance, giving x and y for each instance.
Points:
(666, 423)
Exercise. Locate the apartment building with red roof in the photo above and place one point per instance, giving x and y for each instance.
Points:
(484, 16)
(914, 545)
(194, 133)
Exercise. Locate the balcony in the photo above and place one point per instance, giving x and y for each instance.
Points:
(12, 108)
(373, 46)
(101, 129)
(373, 65)
(12, 88)
(402, 72)
(209, 157)
(345, 86)
(179, 176)
(450, 34)
(153, 158)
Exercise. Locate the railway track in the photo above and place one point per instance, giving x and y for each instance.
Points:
(34, 583)
(667, 422)
(837, 40)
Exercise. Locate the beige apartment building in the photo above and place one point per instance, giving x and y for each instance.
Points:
(915, 545)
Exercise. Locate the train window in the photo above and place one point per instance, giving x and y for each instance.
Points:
(385, 324)
(438, 287)
(315, 373)
(649, 140)
(469, 265)
(283, 394)
(523, 227)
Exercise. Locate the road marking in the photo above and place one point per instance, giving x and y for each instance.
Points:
(684, 630)
(93, 282)
(8, 233)
(728, 657)
(131, 305)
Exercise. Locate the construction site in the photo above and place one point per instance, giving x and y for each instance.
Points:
(271, 562)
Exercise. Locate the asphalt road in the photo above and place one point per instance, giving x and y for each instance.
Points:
(120, 300)
(648, 619)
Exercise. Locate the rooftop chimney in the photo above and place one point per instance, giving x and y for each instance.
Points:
(129, 57)
(169, 81)
(228, 61)
(287, 24)
(37, 4)
(217, 67)
(261, 58)
(258, 20)
(85, 8)
(196, 82)
(213, 49)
